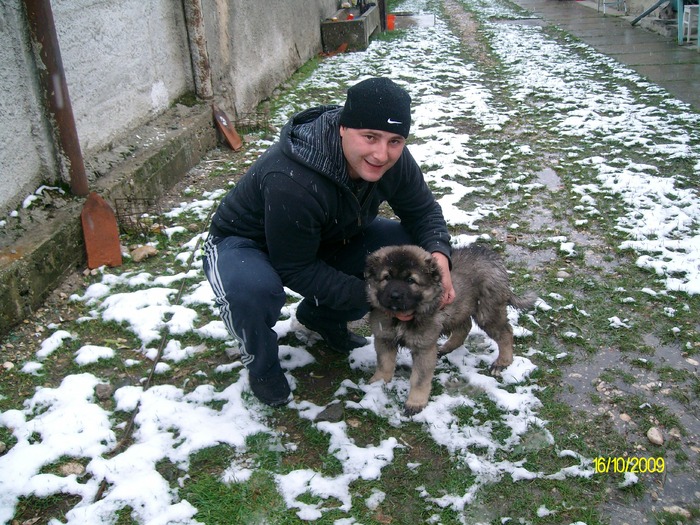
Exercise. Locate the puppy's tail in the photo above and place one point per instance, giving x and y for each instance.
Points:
(523, 302)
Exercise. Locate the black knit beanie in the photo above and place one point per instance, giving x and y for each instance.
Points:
(377, 103)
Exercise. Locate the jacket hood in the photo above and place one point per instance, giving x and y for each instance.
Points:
(312, 138)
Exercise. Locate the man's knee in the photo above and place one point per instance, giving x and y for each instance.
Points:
(257, 300)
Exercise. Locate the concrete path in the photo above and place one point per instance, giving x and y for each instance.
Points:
(656, 57)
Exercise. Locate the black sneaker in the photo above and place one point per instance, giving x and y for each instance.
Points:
(335, 335)
(273, 390)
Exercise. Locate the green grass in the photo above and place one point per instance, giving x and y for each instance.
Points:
(256, 501)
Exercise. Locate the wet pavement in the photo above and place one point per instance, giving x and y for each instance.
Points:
(654, 56)
(406, 20)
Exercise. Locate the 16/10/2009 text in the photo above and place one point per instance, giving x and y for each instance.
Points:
(634, 465)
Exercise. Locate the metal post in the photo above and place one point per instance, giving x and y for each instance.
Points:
(201, 68)
(42, 32)
(381, 4)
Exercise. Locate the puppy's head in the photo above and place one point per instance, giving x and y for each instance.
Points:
(403, 280)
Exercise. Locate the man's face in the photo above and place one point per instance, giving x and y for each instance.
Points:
(370, 152)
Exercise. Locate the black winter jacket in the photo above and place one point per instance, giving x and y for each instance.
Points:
(297, 202)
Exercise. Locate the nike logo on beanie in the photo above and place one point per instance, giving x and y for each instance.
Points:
(389, 121)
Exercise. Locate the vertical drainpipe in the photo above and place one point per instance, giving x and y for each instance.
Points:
(382, 13)
(198, 49)
(52, 78)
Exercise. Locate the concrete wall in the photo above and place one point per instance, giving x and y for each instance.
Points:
(25, 147)
(255, 46)
(126, 62)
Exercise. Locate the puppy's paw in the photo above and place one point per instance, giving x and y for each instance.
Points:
(497, 368)
(412, 410)
(415, 402)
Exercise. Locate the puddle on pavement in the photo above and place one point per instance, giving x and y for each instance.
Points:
(582, 375)
(549, 178)
(666, 354)
(543, 225)
(533, 259)
(532, 22)
(409, 20)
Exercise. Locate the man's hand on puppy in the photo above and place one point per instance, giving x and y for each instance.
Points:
(449, 293)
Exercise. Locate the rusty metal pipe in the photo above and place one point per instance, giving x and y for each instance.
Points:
(42, 32)
(201, 68)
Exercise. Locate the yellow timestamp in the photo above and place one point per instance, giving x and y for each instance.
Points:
(632, 464)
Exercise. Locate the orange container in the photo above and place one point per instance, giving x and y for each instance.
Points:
(390, 22)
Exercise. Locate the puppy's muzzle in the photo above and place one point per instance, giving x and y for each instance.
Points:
(397, 298)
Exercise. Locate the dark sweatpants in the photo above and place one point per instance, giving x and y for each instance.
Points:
(250, 293)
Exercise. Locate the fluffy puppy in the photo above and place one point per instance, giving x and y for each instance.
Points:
(404, 290)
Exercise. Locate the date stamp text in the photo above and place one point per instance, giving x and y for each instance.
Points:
(632, 464)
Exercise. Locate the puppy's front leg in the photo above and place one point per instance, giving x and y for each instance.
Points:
(424, 361)
(386, 360)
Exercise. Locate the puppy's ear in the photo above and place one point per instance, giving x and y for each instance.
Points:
(372, 265)
(433, 269)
